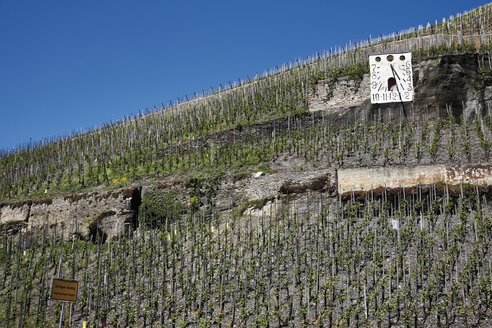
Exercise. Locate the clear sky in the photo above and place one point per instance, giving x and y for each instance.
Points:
(67, 65)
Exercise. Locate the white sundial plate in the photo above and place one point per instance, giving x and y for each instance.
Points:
(391, 78)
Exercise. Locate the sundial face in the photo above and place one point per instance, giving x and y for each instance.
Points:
(391, 78)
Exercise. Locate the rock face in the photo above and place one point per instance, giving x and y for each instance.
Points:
(17, 212)
(452, 80)
(97, 215)
(342, 94)
(448, 80)
(259, 196)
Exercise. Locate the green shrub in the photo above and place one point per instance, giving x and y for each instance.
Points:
(158, 209)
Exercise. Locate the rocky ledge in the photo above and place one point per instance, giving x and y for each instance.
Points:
(95, 215)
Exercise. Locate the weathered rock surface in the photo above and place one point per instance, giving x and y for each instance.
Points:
(83, 215)
(452, 80)
(342, 94)
(14, 213)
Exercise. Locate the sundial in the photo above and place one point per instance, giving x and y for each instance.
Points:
(391, 78)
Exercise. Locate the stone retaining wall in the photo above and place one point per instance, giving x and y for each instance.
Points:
(391, 177)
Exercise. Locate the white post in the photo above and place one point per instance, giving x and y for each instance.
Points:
(63, 303)
(61, 314)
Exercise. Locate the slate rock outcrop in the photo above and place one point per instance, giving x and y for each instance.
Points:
(96, 215)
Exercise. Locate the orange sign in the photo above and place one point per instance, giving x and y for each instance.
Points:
(64, 290)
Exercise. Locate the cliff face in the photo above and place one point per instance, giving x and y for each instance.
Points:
(453, 81)
(89, 215)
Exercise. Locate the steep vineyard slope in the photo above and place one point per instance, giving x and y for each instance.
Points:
(285, 201)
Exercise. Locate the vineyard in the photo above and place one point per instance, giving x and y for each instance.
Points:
(300, 254)
(346, 268)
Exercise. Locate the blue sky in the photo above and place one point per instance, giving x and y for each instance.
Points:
(69, 65)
